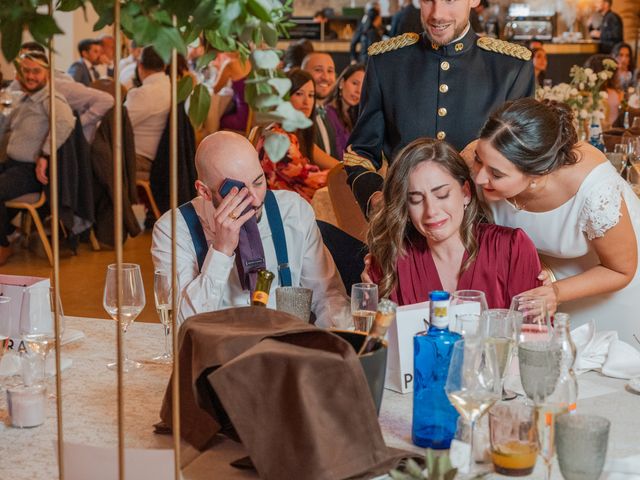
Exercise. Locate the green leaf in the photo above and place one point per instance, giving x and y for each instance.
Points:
(168, 38)
(267, 59)
(219, 42)
(204, 60)
(69, 5)
(146, 31)
(231, 12)
(270, 34)
(11, 39)
(132, 8)
(260, 9)
(185, 87)
(205, 14)
(267, 101)
(162, 16)
(276, 146)
(105, 17)
(199, 105)
(43, 27)
(282, 85)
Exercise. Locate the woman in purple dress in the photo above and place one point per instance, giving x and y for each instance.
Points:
(342, 104)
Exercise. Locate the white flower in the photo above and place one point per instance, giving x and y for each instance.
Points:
(588, 72)
(584, 114)
(603, 75)
(604, 95)
(573, 92)
(593, 78)
(581, 86)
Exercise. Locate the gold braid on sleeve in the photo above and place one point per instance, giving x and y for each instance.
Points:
(352, 159)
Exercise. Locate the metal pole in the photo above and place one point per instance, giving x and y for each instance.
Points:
(53, 179)
(117, 186)
(173, 171)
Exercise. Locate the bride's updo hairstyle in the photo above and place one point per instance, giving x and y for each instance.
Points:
(537, 137)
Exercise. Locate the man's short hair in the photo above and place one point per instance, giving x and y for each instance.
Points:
(86, 44)
(32, 47)
(38, 57)
(150, 60)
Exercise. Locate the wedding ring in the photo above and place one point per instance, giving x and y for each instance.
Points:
(233, 216)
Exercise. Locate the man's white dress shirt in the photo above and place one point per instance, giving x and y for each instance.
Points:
(148, 108)
(218, 285)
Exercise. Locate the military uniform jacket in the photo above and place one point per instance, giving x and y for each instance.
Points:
(421, 90)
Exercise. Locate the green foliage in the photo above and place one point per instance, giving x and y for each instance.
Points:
(435, 467)
(228, 25)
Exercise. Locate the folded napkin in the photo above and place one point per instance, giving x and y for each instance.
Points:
(623, 468)
(603, 351)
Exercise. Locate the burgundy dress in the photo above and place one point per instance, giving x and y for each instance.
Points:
(507, 264)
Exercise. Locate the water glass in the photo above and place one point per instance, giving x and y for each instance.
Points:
(534, 324)
(539, 368)
(364, 303)
(514, 443)
(295, 300)
(581, 443)
(467, 301)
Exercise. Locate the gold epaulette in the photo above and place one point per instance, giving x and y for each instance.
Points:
(352, 159)
(393, 43)
(506, 48)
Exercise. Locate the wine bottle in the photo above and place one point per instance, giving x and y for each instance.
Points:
(384, 317)
(260, 296)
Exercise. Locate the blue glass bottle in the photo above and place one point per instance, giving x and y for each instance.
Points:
(434, 418)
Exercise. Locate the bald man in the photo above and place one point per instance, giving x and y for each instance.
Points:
(216, 283)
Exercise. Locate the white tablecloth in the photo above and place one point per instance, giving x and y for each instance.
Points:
(89, 393)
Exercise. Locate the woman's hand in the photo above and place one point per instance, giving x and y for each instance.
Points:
(364, 276)
(544, 277)
(549, 292)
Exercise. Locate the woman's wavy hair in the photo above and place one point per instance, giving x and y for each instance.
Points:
(335, 97)
(305, 136)
(391, 229)
(538, 137)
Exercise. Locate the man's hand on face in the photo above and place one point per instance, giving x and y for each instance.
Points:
(228, 220)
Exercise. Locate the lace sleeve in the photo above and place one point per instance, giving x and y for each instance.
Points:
(601, 210)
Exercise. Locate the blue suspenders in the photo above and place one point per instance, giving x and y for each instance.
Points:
(277, 231)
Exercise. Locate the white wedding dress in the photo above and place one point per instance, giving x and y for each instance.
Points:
(562, 238)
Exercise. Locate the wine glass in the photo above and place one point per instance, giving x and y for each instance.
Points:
(364, 303)
(465, 310)
(132, 303)
(498, 326)
(37, 331)
(473, 383)
(163, 292)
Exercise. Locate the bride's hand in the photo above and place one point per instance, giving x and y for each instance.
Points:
(549, 292)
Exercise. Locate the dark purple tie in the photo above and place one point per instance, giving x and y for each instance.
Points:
(249, 254)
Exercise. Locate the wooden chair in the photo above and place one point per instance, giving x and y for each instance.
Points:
(146, 187)
(31, 202)
(348, 214)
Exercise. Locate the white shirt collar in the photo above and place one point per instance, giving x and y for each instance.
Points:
(466, 30)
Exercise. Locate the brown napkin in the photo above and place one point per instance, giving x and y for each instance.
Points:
(205, 342)
(301, 406)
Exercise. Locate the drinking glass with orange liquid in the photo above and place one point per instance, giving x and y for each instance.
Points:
(514, 442)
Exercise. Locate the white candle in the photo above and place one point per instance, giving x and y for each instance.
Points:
(27, 405)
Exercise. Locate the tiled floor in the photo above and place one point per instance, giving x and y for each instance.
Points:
(82, 276)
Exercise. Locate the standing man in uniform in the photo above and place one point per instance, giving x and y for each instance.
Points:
(443, 84)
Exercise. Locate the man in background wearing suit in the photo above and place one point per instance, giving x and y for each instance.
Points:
(84, 70)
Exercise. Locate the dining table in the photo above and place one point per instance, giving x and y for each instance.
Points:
(89, 413)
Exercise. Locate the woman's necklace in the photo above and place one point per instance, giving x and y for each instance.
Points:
(532, 186)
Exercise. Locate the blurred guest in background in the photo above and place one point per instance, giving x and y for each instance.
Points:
(304, 168)
(430, 236)
(405, 20)
(84, 70)
(610, 31)
(105, 67)
(148, 108)
(322, 69)
(342, 104)
(232, 72)
(624, 77)
(540, 65)
(295, 53)
(371, 32)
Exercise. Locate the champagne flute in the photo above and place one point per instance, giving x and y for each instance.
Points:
(498, 326)
(132, 302)
(364, 304)
(473, 383)
(162, 293)
(465, 310)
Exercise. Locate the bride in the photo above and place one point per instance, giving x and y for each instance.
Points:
(583, 218)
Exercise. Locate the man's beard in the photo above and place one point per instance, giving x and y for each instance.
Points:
(33, 90)
(456, 33)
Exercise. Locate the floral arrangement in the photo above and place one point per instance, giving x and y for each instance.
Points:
(583, 94)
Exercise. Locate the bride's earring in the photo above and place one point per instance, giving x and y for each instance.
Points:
(533, 184)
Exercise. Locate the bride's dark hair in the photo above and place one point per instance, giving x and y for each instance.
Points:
(538, 137)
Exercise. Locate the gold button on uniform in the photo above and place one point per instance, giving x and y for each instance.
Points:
(444, 88)
(459, 46)
(444, 66)
(441, 135)
(442, 111)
